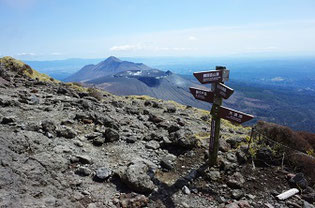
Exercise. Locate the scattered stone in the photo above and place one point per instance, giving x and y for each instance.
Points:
(93, 135)
(232, 205)
(131, 200)
(33, 100)
(84, 159)
(299, 180)
(230, 156)
(236, 181)
(186, 190)
(173, 128)
(205, 117)
(152, 145)
(98, 141)
(131, 139)
(237, 194)
(155, 119)
(63, 91)
(136, 177)
(102, 174)
(155, 104)
(92, 205)
(223, 145)
(171, 109)
(7, 120)
(106, 121)
(213, 175)
(111, 135)
(132, 111)
(167, 162)
(307, 205)
(78, 143)
(235, 141)
(49, 126)
(268, 205)
(241, 157)
(310, 197)
(66, 132)
(244, 204)
(83, 171)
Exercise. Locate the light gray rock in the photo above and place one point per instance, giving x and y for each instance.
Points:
(83, 171)
(66, 132)
(213, 175)
(237, 194)
(186, 190)
(236, 181)
(102, 174)
(152, 145)
(307, 205)
(136, 177)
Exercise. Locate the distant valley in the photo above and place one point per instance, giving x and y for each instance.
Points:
(280, 91)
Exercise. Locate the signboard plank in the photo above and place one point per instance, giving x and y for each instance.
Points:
(209, 76)
(200, 94)
(234, 115)
(223, 90)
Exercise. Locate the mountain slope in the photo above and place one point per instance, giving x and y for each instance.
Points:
(154, 83)
(110, 66)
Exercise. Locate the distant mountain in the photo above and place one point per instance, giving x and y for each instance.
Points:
(128, 78)
(110, 66)
(151, 82)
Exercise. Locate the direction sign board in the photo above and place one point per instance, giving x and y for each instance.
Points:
(209, 76)
(200, 94)
(223, 90)
(233, 115)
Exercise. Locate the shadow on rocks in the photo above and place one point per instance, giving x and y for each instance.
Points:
(165, 192)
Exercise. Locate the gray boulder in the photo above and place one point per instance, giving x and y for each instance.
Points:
(236, 181)
(102, 174)
(66, 132)
(136, 178)
(111, 135)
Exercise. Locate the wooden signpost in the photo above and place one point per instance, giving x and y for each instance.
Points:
(219, 90)
(200, 94)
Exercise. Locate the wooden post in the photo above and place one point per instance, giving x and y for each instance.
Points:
(215, 125)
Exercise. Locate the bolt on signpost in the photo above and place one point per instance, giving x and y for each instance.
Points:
(218, 91)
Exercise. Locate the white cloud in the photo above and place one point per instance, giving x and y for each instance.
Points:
(277, 79)
(26, 54)
(192, 38)
(126, 48)
(56, 53)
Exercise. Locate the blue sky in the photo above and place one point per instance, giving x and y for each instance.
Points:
(58, 29)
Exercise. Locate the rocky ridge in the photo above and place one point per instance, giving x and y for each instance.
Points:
(65, 146)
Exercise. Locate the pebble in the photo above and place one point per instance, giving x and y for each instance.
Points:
(186, 190)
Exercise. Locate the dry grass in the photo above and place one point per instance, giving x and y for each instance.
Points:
(305, 164)
(22, 68)
(302, 141)
(77, 87)
(285, 135)
(93, 92)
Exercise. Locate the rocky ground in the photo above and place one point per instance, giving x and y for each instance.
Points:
(62, 147)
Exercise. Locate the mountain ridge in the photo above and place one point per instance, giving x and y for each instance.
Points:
(107, 67)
